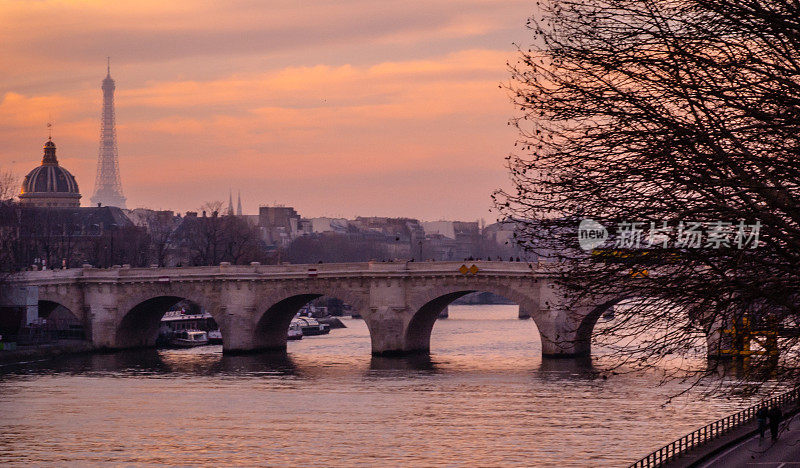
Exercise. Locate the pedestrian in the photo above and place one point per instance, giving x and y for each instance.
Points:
(761, 417)
(774, 420)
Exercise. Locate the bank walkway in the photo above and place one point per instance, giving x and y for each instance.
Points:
(733, 441)
(762, 453)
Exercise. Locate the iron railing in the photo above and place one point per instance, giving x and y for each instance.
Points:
(710, 432)
(41, 334)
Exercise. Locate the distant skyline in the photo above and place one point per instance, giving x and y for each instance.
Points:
(337, 108)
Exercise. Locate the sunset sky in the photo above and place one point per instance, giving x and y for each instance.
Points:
(338, 108)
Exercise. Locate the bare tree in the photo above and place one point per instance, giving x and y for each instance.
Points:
(212, 208)
(242, 242)
(676, 112)
(211, 238)
(160, 228)
(9, 185)
(206, 235)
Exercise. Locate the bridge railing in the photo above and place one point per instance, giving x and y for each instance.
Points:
(711, 431)
(293, 271)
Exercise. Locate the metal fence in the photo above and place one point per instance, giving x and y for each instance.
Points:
(46, 333)
(711, 431)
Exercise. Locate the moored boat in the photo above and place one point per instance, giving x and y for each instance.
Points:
(189, 338)
(181, 319)
(295, 332)
(214, 337)
(311, 326)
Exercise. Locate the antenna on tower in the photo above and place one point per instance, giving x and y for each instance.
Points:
(108, 65)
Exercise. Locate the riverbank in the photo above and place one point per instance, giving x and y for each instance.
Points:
(764, 452)
(740, 445)
(28, 354)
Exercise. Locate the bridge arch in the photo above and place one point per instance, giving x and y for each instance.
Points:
(587, 319)
(277, 308)
(61, 321)
(139, 315)
(426, 306)
(72, 301)
(680, 316)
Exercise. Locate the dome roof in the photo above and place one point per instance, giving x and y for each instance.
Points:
(46, 178)
(49, 179)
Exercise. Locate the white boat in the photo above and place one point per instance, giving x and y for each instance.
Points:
(214, 337)
(311, 327)
(295, 332)
(175, 321)
(189, 338)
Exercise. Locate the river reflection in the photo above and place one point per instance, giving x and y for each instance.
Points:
(484, 396)
(571, 369)
(391, 365)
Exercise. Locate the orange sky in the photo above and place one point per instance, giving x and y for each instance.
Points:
(338, 108)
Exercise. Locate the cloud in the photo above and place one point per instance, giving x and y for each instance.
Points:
(80, 33)
(375, 104)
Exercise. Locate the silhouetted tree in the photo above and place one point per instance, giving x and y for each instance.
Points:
(9, 185)
(9, 222)
(160, 228)
(665, 111)
(210, 239)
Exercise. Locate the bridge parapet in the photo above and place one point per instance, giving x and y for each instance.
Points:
(293, 271)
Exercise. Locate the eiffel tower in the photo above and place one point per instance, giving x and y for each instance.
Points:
(107, 185)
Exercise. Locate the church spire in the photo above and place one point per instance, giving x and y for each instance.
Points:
(230, 202)
(239, 204)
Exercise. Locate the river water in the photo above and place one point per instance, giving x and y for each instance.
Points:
(485, 397)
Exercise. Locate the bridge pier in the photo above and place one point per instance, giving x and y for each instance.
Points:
(241, 334)
(565, 327)
(103, 327)
(560, 335)
(724, 339)
(388, 330)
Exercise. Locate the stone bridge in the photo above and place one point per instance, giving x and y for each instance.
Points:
(254, 304)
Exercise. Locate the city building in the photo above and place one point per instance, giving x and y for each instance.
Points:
(322, 224)
(50, 185)
(70, 236)
(280, 225)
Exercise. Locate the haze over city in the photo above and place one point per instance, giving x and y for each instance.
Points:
(337, 108)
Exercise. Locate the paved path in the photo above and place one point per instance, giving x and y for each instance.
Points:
(754, 452)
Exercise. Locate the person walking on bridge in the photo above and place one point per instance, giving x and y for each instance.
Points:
(774, 420)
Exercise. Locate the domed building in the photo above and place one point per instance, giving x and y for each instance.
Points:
(50, 185)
